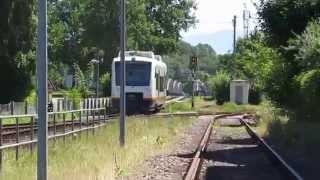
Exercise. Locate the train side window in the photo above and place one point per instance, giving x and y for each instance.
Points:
(162, 84)
(157, 81)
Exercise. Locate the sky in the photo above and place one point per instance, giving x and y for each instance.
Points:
(214, 25)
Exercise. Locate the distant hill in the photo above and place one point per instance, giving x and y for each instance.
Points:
(178, 62)
(220, 41)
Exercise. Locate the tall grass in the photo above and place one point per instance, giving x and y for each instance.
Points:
(184, 106)
(288, 133)
(99, 156)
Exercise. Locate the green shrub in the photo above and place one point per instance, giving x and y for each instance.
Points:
(255, 95)
(220, 86)
(32, 97)
(309, 88)
(105, 82)
(81, 81)
(75, 96)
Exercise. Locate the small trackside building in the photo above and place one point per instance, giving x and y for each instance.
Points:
(239, 91)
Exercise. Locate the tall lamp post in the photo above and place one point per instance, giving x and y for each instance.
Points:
(95, 61)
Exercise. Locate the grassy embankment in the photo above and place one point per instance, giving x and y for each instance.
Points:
(207, 106)
(99, 156)
(292, 136)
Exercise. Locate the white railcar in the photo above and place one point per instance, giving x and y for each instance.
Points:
(145, 81)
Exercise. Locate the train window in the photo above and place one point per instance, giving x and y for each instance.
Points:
(157, 82)
(137, 73)
(161, 84)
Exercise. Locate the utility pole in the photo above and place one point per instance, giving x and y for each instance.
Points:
(234, 33)
(246, 17)
(42, 91)
(123, 72)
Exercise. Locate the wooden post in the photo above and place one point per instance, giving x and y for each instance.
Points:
(80, 114)
(31, 133)
(0, 144)
(87, 115)
(12, 107)
(105, 114)
(17, 138)
(64, 126)
(72, 121)
(93, 120)
(58, 108)
(54, 126)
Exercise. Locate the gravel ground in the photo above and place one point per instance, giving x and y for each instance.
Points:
(173, 166)
(233, 155)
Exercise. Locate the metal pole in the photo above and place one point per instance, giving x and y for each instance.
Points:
(192, 99)
(42, 73)
(234, 33)
(123, 72)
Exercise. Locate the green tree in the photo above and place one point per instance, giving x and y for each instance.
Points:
(282, 19)
(254, 60)
(17, 27)
(152, 25)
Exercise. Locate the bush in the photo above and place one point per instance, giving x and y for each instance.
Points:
(105, 82)
(255, 95)
(220, 86)
(309, 89)
(32, 97)
(75, 96)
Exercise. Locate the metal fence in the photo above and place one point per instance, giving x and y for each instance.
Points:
(20, 130)
(59, 104)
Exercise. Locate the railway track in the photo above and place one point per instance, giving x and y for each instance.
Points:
(9, 132)
(276, 160)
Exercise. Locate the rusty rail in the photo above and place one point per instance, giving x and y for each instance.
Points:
(195, 166)
(272, 154)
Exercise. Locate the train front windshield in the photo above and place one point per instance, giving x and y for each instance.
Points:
(137, 73)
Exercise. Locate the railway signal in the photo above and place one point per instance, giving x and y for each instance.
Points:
(193, 63)
(193, 67)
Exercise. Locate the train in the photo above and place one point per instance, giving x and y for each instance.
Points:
(146, 82)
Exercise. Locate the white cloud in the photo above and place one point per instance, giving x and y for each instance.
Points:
(216, 15)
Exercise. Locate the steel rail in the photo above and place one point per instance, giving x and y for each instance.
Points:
(276, 158)
(195, 166)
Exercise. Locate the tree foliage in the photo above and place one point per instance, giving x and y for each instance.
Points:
(254, 60)
(16, 48)
(308, 84)
(282, 19)
(80, 30)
